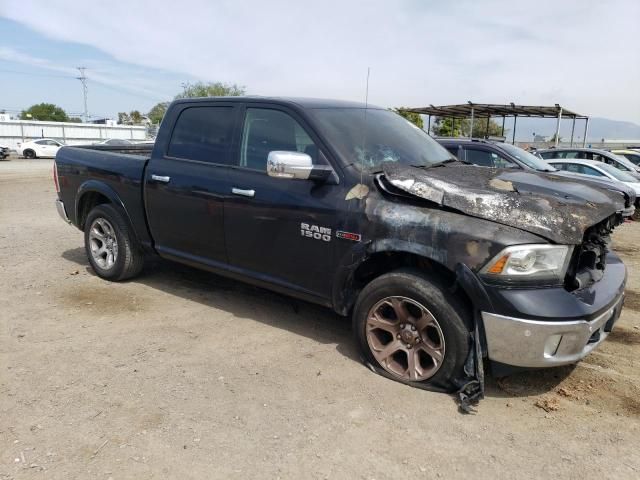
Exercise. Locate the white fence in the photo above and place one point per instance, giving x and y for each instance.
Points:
(17, 131)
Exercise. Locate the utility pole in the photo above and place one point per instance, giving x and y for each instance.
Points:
(83, 80)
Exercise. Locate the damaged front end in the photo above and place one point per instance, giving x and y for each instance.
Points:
(562, 211)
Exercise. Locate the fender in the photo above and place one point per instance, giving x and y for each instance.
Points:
(104, 189)
(343, 294)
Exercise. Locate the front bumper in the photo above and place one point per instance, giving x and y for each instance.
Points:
(532, 343)
(62, 211)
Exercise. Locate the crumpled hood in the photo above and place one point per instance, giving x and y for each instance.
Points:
(553, 207)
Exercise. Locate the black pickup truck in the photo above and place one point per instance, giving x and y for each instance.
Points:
(439, 263)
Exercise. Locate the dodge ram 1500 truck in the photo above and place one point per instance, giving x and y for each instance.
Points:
(439, 263)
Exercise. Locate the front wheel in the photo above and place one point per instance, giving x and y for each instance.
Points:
(111, 247)
(412, 328)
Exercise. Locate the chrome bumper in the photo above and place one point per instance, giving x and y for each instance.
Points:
(531, 343)
(62, 211)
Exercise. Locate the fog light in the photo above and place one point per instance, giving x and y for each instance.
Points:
(551, 345)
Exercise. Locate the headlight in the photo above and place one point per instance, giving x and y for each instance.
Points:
(529, 263)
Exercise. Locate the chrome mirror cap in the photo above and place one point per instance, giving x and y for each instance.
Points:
(281, 164)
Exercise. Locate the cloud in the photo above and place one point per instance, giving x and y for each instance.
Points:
(112, 80)
(582, 54)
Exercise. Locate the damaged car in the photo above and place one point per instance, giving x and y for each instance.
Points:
(441, 265)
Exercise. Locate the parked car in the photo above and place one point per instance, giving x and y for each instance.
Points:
(505, 155)
(438, 263)
(4, 151)
(630, 154)
(43, 147)
(593, 168)
(617, 161)
(114, 142)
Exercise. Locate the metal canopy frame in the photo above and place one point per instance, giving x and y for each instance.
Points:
(481, 110)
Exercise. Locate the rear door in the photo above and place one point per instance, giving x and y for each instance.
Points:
(280, 230)
(185, 184)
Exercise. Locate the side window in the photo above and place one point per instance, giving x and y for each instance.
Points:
(202, 133)
(559, 166)
(41, 142)
(591, 171)
(485, 158)
(479, 157)
(267, 130)
(548, 155)
(453, 149)
(573, 167)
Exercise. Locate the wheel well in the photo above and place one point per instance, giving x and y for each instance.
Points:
(87, 202)
(384, 262)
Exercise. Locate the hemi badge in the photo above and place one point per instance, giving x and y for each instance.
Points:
(355, 237)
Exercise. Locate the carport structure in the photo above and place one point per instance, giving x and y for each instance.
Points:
(478, 111)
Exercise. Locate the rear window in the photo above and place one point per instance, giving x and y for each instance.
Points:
(203, 134)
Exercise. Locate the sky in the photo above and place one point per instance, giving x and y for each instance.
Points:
(582, 54)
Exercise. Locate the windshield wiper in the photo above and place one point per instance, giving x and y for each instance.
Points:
(439, 164)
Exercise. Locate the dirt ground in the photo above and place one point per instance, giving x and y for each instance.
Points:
(183, 374)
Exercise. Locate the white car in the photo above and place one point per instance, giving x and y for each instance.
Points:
(4, 151)
(114, 142)
(594, 168)
(43, 147)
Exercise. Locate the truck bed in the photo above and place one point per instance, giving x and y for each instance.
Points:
(118, 172)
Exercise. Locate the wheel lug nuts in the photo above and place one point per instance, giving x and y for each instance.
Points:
(413, 327)
(402, 325)
(408, 345)
(398, 336)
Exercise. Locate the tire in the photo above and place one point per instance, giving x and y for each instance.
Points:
(28, 153)
(111, 247)
(439, 343)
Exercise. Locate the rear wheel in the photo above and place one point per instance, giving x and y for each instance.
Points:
(412, 328)
(28, 153)
(111, 247)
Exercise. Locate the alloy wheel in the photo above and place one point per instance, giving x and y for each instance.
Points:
(405, 338)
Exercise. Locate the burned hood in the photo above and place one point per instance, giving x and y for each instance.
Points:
(553, 207)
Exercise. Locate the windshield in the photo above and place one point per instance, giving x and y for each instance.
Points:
(632, 157)
(617, 173)
(387, 138)
(627, 164)
(527, 158)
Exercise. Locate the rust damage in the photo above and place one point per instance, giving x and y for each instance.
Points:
(528, 201)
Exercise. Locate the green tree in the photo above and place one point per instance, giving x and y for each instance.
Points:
(124, 118)
(157, 112)
(447, 127)
(45, 112)
(136, 117)
(413, 117)
(212, 89)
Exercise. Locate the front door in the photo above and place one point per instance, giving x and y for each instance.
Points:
(186, 185)
(280, 230)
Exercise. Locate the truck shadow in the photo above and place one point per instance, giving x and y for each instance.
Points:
(301, 318)
(241, 300)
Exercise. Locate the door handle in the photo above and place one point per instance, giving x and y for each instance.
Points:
(244, 193)
(160, 178)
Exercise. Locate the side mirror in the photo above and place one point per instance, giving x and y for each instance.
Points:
(281, 164)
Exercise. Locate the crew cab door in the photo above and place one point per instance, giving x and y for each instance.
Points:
(280, 230)
(186, 182)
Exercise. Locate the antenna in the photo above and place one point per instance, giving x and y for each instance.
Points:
(83, 80)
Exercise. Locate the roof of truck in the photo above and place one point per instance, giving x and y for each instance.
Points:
(297, 101)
